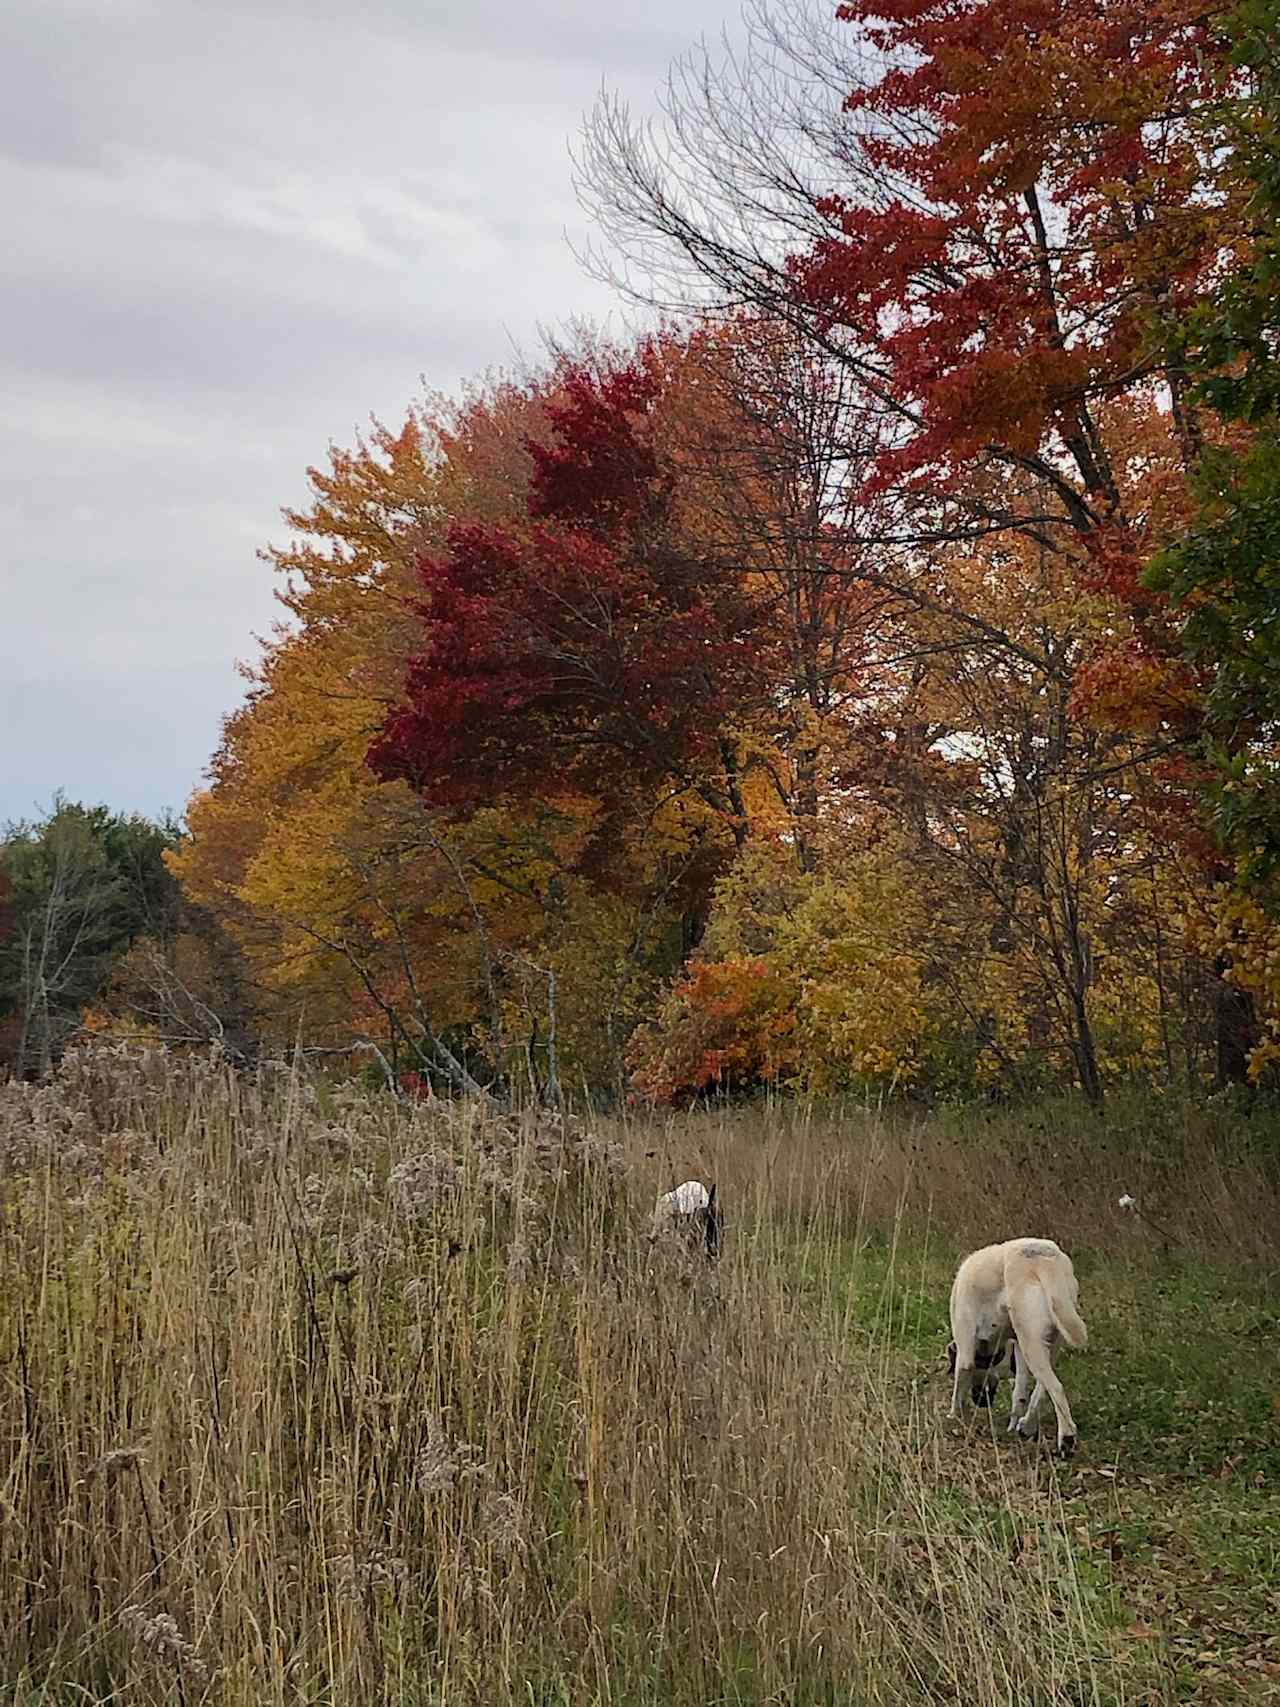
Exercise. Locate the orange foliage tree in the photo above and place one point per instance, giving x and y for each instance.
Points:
(869, 821)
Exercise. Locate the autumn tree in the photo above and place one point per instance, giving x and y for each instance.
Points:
(1042, 829)
(983, 214)
(756, 438)
(288, 846)
(974, 208)
(441, 939)
(809, 977)
(590, 641)
(935, 873)
(992, 897)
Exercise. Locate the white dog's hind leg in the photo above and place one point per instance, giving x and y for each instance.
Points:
(964, 1371)
(1028, 1423)
(1021, 1386)
(1036, 1332)
(1037, 1355)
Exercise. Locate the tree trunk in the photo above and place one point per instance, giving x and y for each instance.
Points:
(1085, 1051)
(1236, 1029)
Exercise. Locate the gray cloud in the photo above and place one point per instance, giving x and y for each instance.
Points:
(231, 236)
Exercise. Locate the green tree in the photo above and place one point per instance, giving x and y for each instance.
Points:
(83, 884)
(1226, 572)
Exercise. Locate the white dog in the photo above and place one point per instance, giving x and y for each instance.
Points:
(692, 1207)
(1018, 1297)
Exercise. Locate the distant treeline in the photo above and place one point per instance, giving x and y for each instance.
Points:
(94, 930)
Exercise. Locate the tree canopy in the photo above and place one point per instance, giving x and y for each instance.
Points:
(864, 678)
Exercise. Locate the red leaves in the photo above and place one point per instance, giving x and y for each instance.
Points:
(1036, 182)
(1117, 558)
(729, 1025)
(591, 647)
(1138, 680)
(600, 471)
(1128, 687)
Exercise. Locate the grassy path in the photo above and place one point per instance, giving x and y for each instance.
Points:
(1172, 1506)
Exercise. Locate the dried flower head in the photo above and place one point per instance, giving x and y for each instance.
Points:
(354, 1574)
(159, 1633)
(443, 1462)
(120, 1458)
(502, 1522)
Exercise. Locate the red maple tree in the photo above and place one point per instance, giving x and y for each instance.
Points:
(1036, 183)
(592, 645)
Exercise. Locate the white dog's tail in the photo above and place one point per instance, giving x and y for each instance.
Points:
(1066, 1318)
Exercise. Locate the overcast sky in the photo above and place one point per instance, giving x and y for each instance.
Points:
(231, 233)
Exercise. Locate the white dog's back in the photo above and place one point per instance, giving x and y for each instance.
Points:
(1048, 1265)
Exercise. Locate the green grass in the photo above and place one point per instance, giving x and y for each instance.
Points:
(1172, 1505)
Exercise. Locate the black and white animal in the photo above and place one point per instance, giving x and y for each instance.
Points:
(1018, 1298)
(692, 1209)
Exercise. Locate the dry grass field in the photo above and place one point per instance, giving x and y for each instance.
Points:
(309, 1396)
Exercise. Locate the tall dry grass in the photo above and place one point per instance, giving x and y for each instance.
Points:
(310, 1396)
(1206, 1180)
